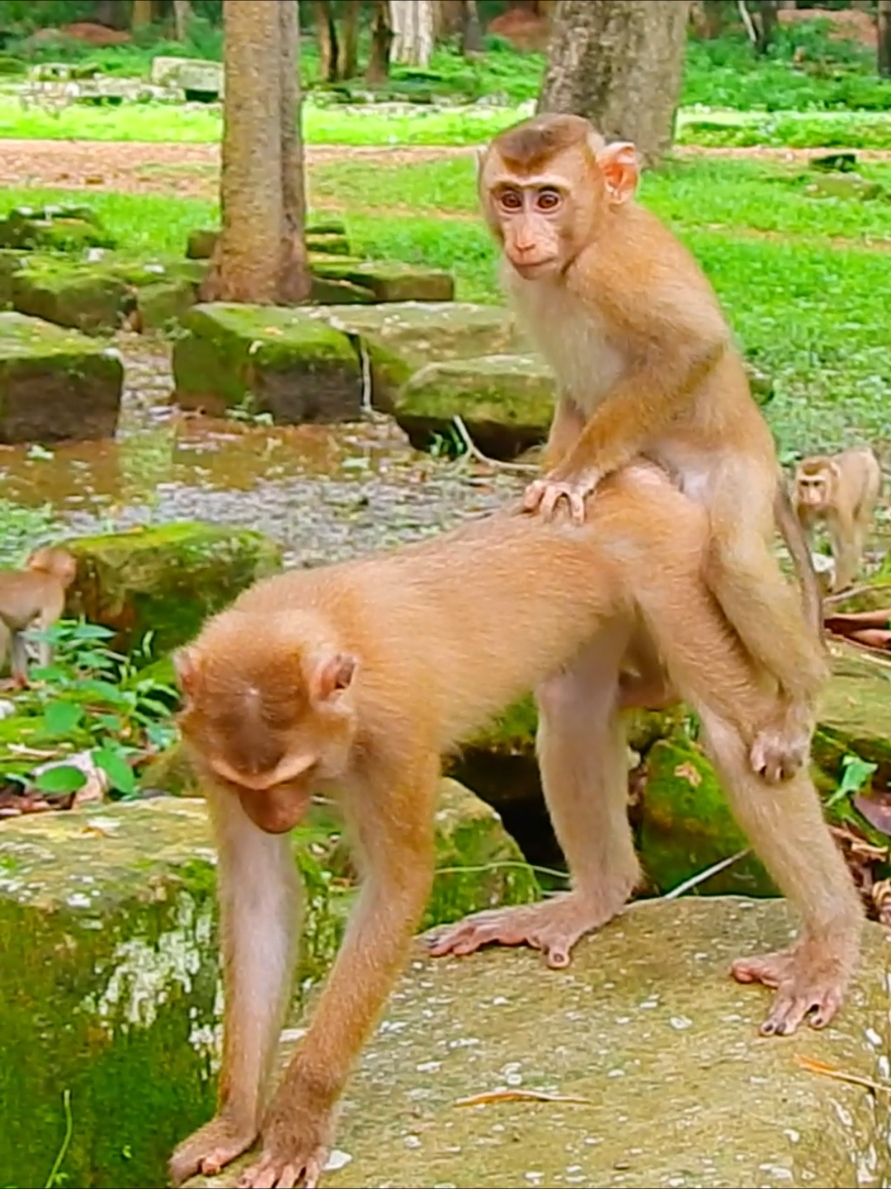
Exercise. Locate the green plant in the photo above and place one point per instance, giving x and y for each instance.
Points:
(89, 699)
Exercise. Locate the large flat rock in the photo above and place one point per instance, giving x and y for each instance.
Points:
(649, 1028)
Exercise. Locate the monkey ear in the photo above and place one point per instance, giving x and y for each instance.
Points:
(186, 666)
(332, 675)
(620, 168)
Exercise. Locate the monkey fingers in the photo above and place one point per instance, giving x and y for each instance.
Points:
(543, 496)
(278, 1172)
(552, 926)
(210, 1149)
(780, 748)
(807, 979)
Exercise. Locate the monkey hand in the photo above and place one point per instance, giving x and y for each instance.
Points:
(297, 1137)
(807, 978)
(543, 495)
(552, 926)
(781, 746)
(210, 1148)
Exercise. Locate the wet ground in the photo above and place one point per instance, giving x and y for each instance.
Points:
(323, 492)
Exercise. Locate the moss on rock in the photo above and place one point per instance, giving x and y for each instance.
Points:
(55, 384)
(165, 303)
(10, 263)
(166, 579)
(390, 280)
(686, 825)
(86, 297)
(327, 236)
(288, 363)
(506, 402)
(67, 228)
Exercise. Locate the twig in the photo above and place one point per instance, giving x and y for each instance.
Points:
(365, 359)
(52, 1180)
(702, 876)
(841, 596)
(747, 21)
(474, 451)
(840, 1075)
(519, 1096)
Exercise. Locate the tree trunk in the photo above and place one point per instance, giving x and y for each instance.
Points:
(110, 13)
(182, 11)
(326, 36)
(141, 14)
(784, 4)
(883, 23)
(378, 69)
(619, 62)
(472, 32)
(413, 31)
(764, 17)
(348, 42)
(260, 255)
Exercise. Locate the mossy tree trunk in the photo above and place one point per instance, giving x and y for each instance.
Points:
(620, 63)
(182, 12)
(378, 70)
(260, 255)
(326, 38)
(348, 42)
(141, 14)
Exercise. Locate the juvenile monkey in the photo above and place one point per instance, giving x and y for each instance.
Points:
(33, 595)
(353, 679)
(841, 490)
(645, 365)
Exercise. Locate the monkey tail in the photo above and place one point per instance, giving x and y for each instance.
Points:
(796, 543)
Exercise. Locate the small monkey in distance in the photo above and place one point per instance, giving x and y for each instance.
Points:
(646, 366)
(353, 679)
(841, 490)
(33, 596)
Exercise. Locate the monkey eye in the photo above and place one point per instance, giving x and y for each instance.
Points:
(548, 200)
(510, 200)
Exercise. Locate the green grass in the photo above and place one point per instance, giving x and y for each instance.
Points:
(812, 315)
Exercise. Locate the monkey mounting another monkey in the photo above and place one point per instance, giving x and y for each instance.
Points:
(841, 490)
(646, 366)
(353, 679)
(35, 595)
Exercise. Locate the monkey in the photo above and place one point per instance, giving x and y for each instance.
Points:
(842, 490)
(646, 366)
(34, 594)
(352, 680)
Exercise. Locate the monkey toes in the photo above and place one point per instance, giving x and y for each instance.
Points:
(278, 1172)
(805, 982)
(553, 926)
(544, 495)
(209, 1150)
(780, 749)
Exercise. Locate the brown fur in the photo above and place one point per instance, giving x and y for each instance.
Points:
(35, 595)
(391, 660)
(646, 366)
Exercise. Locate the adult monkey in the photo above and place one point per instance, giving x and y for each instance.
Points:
(352, 679)
(645, 365)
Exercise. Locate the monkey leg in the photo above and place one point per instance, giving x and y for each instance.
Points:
(259, 896)
(393, 822)
(584, 770)
(847, 539)
(790, 836)
(765, 611)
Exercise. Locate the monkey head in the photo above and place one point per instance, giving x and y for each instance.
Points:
(58, 563)
(815, 482)
(268, 711)
(546, 185)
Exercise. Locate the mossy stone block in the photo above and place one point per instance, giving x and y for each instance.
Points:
(164, 303)
(327, 237)
(686, 826)
(284, 361)
(66, 228)
(85, 297)
(166, 579)
(324, 291)
(506, 402)
(391, 280)
(55, 384)
(11, 261)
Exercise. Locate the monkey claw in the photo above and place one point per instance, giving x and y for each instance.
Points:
(552, 926)
(805, 982)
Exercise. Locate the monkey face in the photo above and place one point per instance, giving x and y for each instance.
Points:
(532, 218)
(811, 491)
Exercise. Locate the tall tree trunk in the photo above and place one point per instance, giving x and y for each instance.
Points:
(378, 69)
(182, 11)
(348, 41)
(141, 14)
(260, 254)
(413, 31)
(472, 32)
(764, 17)
(883, 23)
(620, 63)
(786, 4)
(110, 13)
(294, 281)
(326, 37)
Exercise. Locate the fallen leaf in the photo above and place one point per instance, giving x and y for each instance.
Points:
(689, 773)
(876, 808)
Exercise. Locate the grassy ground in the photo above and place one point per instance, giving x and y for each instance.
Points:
(808, 301)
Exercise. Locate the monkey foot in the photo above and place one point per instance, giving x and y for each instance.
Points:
(780, 749)
(281, 1172)
(210, 1149)
(552, 926)
(805, 980)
